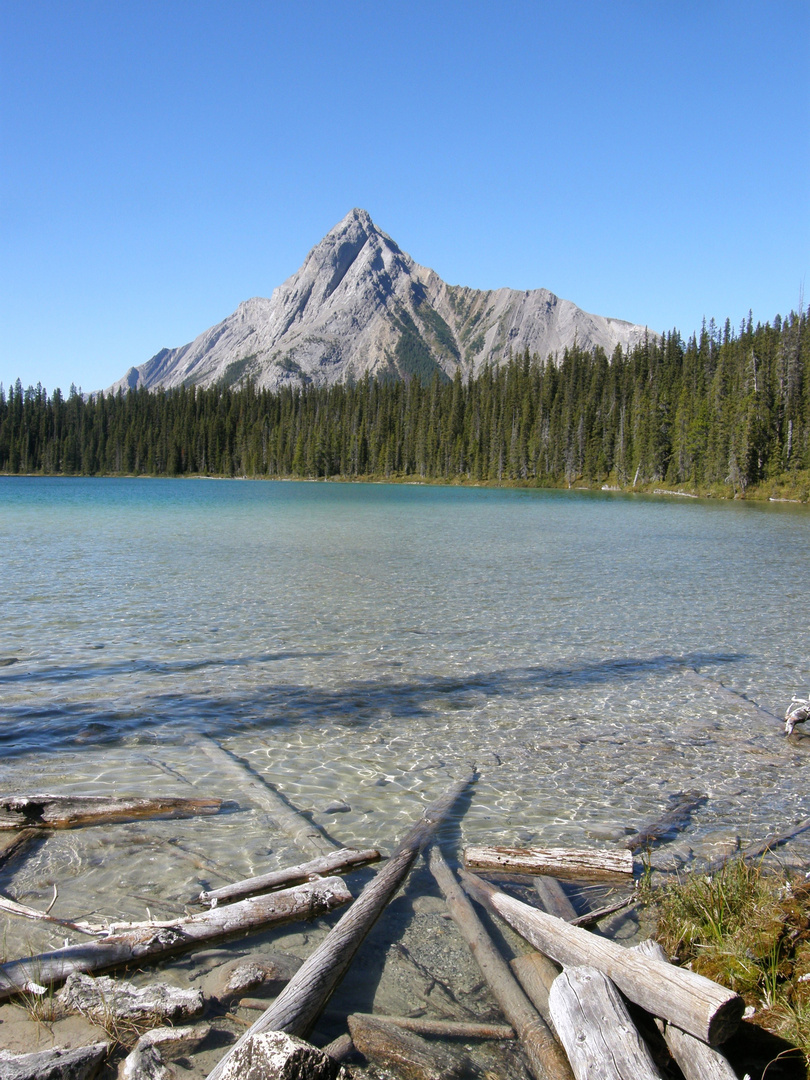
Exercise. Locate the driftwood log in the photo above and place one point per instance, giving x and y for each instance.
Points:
(69, 811)
(536, 974)
(695, 1059)
(146, 941)
(404, 1052)
(81, 1063)
(298, 1006)
(546, 1059)
(336, 862)
(554, 898)
(15, 844)
(303, 833)
(753, 851)
(446, 1029)
(594, 1026)
(676, 818)
(693, 1003)
(558, 862)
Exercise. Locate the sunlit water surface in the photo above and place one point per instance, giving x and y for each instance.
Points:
(360, 644)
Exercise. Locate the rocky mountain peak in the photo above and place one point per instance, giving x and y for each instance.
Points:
(360, 304)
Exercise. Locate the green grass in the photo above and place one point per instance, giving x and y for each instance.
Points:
(747, 929)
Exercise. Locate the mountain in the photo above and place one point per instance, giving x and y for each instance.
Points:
(360, 304)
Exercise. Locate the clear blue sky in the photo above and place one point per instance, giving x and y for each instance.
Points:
(162, 160)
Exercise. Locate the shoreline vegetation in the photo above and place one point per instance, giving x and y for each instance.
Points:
(723, 415)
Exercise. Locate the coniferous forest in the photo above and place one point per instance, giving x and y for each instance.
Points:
(726, 412)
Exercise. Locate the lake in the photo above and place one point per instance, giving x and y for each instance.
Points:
(360, 644)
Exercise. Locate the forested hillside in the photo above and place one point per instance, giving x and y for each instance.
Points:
(724, 411)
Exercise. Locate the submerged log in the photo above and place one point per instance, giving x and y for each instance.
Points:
(558, 862)
(595, 1028)
(147, 941)
(70, 811)
(676, 818)
(546, 1059)
(298, 1006)
(695, 1059)
(691, 1002)
(335, 862)
(409, 1055)
(445, 1029)
(753, 851)
(16, 844)
(303, 833)
(730, 697)
(536, 974)
(554, 898)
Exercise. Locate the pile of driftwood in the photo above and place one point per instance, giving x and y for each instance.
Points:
(565, 1000)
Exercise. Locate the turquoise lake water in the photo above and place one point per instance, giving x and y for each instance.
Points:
(359, 644)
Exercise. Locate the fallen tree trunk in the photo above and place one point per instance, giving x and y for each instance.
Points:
(546, 1059)
(81, 1063)
(691, 1002)
(536, 974)
(407, 1054)
(695, 1059)
(70, 811)
(445, 1029)
(303, 833)
(595, 1028)
(298, 1006)
(148, 941)
(673, 820)
(753, 851)
(554, 898)
(343, 859)
(16, 843)
(558, 862)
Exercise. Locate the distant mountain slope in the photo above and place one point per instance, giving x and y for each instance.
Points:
(359, 304)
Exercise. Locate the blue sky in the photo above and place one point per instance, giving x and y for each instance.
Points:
(160, 161)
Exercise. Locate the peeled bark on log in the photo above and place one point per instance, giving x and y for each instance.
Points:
(409, 1055)
(304, 834)
(71, 811)
(82, 1063)
(554, 898)
(673, 820)
(16, 843)
(536, 974)
(558, 862)
(335, 862)
(691, 1002)
(695, 1059)
(444, 1029)
(298, 1006)
(147, 941)
(546, 1059)
(595, 1028)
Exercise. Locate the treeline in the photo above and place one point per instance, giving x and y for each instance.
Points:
(724, 408)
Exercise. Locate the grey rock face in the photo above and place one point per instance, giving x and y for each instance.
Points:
(359, 304)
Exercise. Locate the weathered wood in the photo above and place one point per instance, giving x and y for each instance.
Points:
(15, 844)
(546, 1059)
(340, 1048)
(676, 818)
(71, 811)
(304, 833)
(274, 1055)
(146, 1060)
(591, 917)
(558, 862)
(409, 1055)
(691, 1002)
(446, 1029)
(753, 851)
(11, 907)
(81, 1063)
(335, 862)
(298, 1006)
(554, 898)
(695, 1059)
(147, 941)
(536, 973)
(595, 1028)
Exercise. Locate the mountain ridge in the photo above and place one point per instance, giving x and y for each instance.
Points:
(359, 304)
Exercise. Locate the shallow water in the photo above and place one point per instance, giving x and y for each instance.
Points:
(359, 644)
